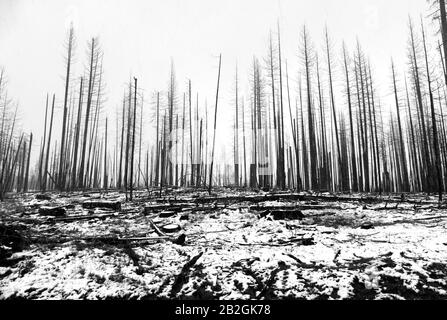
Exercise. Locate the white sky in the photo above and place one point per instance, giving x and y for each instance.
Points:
(140, 37)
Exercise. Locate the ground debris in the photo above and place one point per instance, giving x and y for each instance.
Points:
(182, 277)
(308, 246)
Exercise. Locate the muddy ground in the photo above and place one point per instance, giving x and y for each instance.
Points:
(234, 245)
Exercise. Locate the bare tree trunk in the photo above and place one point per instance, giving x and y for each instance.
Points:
(236, 136)
(76, 145)
(89, 102)
(426, 154)
(157, 152)
(105, 159)
(190, 133)
(405, 185)
(215, 127)
(433, 118)
(182, 177)
(25, 187)
(280, 166)
(128, 140)
(123, 123)
(42, 151)
(48, 146)
(355, 186)
(337, 139)
(310, 118)
(245, 152)
(139, 141)
(133, 140)
(443, 17)
(62, 174)
(413, 138)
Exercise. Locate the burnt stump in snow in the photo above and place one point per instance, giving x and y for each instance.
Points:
(171, 228)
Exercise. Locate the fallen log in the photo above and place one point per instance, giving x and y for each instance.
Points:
(83, 217)
(299, 207)
(381, 224)
(42, 197)
(102, 204)
(52, 211)
(182, 277)
(302, 264)
(269, 284)
(157, 229)
(302, 241)
(190, 207)
(167, 214)
(148, 209)
(367, 226)
(292, 197)
(283, 214)
(110, 240)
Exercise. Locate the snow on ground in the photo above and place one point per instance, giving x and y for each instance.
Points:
(348, 250)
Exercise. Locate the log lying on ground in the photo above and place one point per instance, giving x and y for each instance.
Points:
(110, 240)
(283, 214)
(102, 204)
(151, 208)
(182, 277)
(308, 241)
(116, 240)
(157, 229)
(52, 211)
(180, 207)
(298, 207)
(42, 197)
(83, 217)
(367, 226)
(293, 197)
(167, 214)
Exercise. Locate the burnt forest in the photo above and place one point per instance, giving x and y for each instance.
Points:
(303, 175)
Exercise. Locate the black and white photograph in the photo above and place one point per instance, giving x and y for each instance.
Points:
(250, 151)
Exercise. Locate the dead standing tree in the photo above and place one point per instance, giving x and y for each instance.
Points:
(215, 127)
(433, 118)
(133, 139)
(46, 173)
(307, 61)
(236, 132)
(403, 159)
(92, 70)
(355, 185)
(70, 47)
(342, 180)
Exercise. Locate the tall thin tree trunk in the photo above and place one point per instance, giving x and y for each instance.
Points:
(62, 174)
(48, 146)
(215, 127)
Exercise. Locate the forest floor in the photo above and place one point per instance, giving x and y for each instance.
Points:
(234, 245)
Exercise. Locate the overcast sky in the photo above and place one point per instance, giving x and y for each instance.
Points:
(140, 37)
